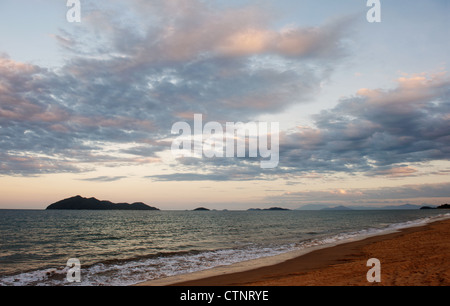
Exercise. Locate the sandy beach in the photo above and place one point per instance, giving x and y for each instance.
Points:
(417, 256)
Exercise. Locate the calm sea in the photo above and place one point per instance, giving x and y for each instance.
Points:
(128, 247)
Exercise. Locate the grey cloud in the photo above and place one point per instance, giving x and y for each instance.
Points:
(383, 193)
(148, 151)
(377, 131)
(186, 177)
(104, 179)
(218, 169)
(194, 28)
(29, 165)
(219, 175)
(128, 86)
(129, 79)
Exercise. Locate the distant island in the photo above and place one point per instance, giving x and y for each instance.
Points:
(80, 203)
(201, 209)
(265, 209)
(443, 206)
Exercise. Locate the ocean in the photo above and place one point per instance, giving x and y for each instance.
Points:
(120, 248)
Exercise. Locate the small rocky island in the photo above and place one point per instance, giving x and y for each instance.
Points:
(201, 209)
(268, 209)
(80, 203)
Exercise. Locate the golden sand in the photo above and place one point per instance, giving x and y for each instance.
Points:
(418, 256)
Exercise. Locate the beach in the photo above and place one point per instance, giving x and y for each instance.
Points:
(415, 256)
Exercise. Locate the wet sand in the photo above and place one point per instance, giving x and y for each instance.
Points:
(417, 256)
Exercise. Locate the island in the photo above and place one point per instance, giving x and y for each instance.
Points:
(201, 209)
(268, 209)
(443, 206)
(81, 203)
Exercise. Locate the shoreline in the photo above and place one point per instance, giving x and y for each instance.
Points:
(417, 255)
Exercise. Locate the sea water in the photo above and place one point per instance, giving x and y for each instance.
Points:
(128, 247)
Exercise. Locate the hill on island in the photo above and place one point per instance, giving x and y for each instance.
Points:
(201, 209)
(80, 203)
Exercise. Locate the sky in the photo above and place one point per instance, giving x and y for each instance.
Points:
(87, 108)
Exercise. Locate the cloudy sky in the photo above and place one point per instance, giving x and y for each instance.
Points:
(87, 108)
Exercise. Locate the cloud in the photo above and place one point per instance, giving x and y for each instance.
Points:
(382, 195)
(188, 29)
(186, 177)
(104, 179)
(376, 131)
(29, 165)
(403, 171)
(127, 78)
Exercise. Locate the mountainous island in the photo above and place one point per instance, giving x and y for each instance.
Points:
(80, 203)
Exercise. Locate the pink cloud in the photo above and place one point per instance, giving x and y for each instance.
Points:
(10, 67)
(411, 92)
(185, 30)
(397, 172)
